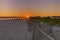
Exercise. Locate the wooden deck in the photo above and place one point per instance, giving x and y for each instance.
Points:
(14, 30)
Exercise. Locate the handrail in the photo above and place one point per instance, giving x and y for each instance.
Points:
(10, 18)
(44, 33)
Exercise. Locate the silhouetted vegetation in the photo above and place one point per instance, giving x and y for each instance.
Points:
(36, 18)
(45, 19)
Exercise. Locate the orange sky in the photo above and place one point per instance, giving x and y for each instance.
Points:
(29, 14)
(30, 8)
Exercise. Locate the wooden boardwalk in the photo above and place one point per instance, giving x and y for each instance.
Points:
(14, 30)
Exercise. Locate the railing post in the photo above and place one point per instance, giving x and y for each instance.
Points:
(33, 36)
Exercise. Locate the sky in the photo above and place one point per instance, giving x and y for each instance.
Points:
(30, 7)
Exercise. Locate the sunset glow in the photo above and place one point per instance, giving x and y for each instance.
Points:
(30, 8)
